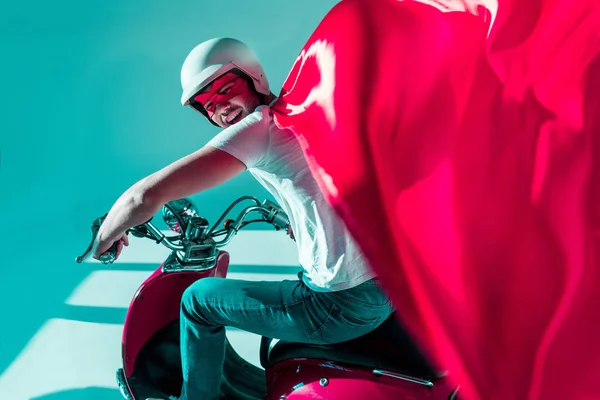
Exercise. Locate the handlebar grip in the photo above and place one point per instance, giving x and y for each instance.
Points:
(108, 257)
(280, 220)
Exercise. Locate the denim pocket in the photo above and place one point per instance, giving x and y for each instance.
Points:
(332, 315)
(346, 325)
(367, 294)
(357, 321)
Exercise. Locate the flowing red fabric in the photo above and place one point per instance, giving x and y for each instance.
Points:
(459, 141)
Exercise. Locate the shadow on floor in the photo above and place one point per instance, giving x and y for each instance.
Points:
(91, 393)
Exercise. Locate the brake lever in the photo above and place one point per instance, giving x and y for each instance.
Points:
(106, 258)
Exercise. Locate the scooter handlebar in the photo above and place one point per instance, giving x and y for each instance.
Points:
(270, 212)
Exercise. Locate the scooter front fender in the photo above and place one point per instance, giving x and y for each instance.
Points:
(157, 303)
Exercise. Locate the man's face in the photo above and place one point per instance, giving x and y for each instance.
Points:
(228, 99)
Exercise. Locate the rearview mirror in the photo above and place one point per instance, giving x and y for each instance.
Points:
(177, 213)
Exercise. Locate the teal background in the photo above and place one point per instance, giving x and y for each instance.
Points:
(90, 103)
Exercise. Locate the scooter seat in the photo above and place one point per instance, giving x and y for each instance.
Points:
(386, 348)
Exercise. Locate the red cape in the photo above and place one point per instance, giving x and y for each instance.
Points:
(460, 145)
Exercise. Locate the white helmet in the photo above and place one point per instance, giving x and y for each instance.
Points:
(215, 57)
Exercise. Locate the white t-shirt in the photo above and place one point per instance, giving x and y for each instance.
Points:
(327, 252)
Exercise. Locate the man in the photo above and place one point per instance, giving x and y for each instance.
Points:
(337, 297)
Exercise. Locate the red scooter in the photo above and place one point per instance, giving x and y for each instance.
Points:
(381, 365)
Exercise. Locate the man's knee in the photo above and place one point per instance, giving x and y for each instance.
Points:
(196, 298)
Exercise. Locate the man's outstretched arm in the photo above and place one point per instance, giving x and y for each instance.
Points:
(201, 170)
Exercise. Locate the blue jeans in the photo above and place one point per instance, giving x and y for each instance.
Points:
(286, 310)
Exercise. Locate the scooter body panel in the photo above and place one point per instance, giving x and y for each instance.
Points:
(156, 304)
(300, 379)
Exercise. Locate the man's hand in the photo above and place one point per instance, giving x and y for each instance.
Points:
(101, 246)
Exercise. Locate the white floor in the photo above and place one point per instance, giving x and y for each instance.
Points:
(65, 355)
